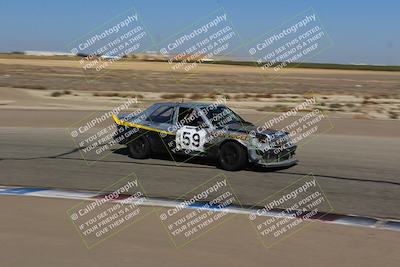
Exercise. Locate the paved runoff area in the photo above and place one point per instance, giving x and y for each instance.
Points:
(39, 229)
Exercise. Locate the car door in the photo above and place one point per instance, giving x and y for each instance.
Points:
(191, 130)
(160, 121)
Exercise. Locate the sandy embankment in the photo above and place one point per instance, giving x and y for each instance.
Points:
(62, 84)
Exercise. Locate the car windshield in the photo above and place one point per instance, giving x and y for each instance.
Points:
(222, 115)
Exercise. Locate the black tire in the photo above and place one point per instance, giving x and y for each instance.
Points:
(232, 156)
(139, 148)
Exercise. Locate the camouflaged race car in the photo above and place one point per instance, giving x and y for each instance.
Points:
(205, 130)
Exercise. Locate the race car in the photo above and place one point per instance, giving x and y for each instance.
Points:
(203, 130)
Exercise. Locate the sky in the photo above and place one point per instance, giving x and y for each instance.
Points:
(362, 32)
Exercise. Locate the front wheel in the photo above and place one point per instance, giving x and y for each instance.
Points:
(232, 156)
(139, 148)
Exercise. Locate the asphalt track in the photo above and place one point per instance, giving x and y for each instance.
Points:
(359, 174)
(38, 233)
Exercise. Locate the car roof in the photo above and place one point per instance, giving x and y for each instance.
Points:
(185, 104)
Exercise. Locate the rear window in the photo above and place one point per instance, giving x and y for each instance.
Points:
(162, 115)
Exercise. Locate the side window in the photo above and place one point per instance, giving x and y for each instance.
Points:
(161, 115)
(190, 117)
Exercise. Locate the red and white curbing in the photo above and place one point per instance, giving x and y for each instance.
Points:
(351, 220)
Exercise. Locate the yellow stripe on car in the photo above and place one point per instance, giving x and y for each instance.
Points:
(134, 125)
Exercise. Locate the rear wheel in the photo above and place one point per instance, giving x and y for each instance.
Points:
(232, 156)
(139, 148)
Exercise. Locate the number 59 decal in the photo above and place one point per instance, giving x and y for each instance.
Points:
(190, 138)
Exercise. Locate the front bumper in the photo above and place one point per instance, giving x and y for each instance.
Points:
(273, 158)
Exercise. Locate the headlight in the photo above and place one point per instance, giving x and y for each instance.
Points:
(282, 139)
(253, 141)
(276, 139)
(263, 139)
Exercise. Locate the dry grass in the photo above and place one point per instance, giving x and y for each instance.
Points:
(243, 85)
(196, 96)
(275, 108)
(361, 117)
(393, 115)
(106, 94)
(173, 96)
(60, 93)
(118, 94)
(30, 86)
(250, 96)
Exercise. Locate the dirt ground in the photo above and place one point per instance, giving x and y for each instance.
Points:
(358, 94)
